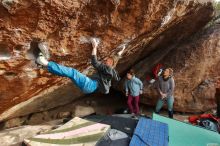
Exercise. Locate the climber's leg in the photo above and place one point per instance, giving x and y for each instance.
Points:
(86, 84)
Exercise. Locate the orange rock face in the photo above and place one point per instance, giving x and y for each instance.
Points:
(195, 63)
(66, 26)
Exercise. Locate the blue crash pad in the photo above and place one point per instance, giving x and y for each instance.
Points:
(150, 133)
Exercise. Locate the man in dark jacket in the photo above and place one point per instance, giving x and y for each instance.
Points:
(165, 87)
(101, 81)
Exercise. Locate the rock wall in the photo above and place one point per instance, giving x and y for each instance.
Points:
(195, 63)
(66, 26)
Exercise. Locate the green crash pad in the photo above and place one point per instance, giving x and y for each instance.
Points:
(184, 134)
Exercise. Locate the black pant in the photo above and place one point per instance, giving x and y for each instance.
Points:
(217, 96)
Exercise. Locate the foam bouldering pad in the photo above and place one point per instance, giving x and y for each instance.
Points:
(185, 134)
(150, 133)
(76, 132)
(126, 125)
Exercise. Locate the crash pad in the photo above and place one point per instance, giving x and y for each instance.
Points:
(150, 133)
(185, 134)
(77, 132)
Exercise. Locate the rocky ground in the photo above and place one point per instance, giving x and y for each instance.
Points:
(115, 103)
(45, 121)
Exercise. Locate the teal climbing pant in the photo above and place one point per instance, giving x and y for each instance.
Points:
(169, 101)
(85, 84)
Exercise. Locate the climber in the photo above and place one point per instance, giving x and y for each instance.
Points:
(165, 87)
(99, 82)
(133, 89)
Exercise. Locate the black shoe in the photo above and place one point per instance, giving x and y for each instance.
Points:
(157, 112)
(170, 113)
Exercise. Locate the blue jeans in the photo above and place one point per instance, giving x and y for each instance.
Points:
(85, 84)
(160, 102)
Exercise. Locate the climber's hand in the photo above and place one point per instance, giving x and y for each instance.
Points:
(163, 96)
(94, 45)
(141, 92)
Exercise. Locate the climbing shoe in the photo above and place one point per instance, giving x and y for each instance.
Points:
(44, 50)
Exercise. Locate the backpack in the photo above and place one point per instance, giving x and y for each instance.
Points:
(207, 121)
(157, 70)
(155, 73)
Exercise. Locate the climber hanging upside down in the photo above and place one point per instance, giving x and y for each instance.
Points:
(99, 82)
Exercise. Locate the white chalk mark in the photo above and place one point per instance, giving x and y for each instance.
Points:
(85, 40)
(18, 31)
(17, 53)
(7, 3)
(64, 51)
(5, 58)
(115, 2)
(168, 17)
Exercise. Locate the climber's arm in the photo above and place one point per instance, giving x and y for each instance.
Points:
(118, 56)
(95, 63)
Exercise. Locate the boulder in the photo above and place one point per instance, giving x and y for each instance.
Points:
(67, 26)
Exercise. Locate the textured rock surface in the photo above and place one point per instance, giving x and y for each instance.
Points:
(196, 64)
(15, 122)
(15, 136)
(81, 111)
(100, 105)
(65, 25)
